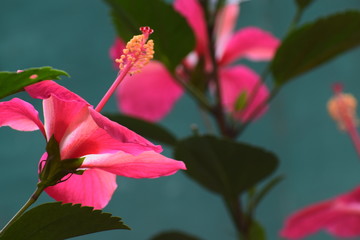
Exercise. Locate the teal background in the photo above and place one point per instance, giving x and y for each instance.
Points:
(318, 160)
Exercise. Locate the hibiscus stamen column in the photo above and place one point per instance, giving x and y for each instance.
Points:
(138, 52)
(342, 108)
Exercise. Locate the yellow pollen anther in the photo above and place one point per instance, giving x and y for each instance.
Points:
(342, 108)
(138, 52)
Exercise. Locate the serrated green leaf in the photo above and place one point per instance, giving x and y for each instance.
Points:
(223, 166)
(144, 128)
(172, 36)
(315, 43)
(13, 82)
(174, 235)
(56, 221)
(303, 3)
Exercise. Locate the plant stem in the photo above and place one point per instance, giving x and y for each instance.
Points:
(234, 206)
(29, 202)
(113, 87)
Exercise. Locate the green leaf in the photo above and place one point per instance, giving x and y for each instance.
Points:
(172, 36)
(303, 3)
(174, 235)
(12, 82)
(256, 231)
(144, 128)
(268, 186)
(315, 43)
(255, 198)
(223, 166)
(56, 221)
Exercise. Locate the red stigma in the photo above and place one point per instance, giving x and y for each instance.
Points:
(337, 87)
(146, 30)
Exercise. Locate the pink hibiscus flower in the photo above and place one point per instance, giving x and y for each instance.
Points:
(251, 42)
(109, 149)
(339, 216)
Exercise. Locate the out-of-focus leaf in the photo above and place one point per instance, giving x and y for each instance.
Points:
(303, 3)
(144, 128)
(13, 82)
(172, 35)
(315, 43)
(56, 221)
(256, 232)
(223, 166)
(256, 197)
(174, 235)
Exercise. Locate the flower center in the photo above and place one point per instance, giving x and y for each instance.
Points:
(138, 52)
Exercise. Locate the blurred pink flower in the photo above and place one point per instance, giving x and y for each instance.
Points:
(161, 89)
(109, 149)
(339, 216)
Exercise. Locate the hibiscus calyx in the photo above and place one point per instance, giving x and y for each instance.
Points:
(54, 170)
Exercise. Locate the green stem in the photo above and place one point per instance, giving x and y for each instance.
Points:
(234, 207)
(197, 95)
(29, 202)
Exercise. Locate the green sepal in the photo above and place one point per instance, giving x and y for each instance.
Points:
(241, 101)
(13, 82)
(55, 169)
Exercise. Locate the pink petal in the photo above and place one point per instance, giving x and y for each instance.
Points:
(20, 115)
(123, 139)
(346, 225)
(91, 133)
(116, 51)
(192, 11)
(224, 25)
(63, 116)
(145, 165)
(308, 220)
(80, 130)
(252, 43)
(94, 188)
(44, 89)
(235, 81)
(150, 94)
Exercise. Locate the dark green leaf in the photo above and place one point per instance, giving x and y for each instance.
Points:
(315, 43)
(144, 128)
(56, 221)
(174, 235)
(172, 36)
(12, 82)
(256, 232)
(303, 3)
(224, 166)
